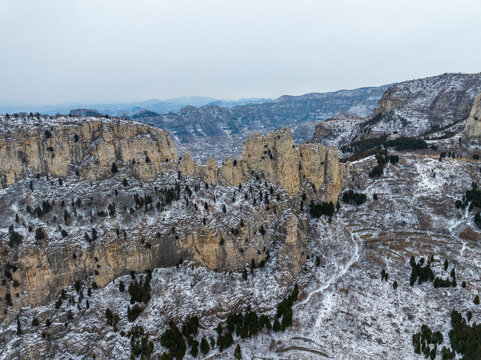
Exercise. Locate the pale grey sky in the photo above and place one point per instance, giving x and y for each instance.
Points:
(55, 51)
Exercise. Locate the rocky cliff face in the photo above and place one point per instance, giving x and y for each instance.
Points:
(89, 148)
(283, 162)
(473, 124)
(422, 106)
(434, 107)
(68, 215)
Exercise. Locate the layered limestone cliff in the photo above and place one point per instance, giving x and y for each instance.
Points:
(64, 146)
(277, 156)
(95, 149)
(473, 124)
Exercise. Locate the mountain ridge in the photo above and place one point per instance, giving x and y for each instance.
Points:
(431, 107)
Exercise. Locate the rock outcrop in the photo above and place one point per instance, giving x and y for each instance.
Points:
(473, 124)
(277, 156)
(62, 147)
(232, 172)
(187, 165)
(209, 172)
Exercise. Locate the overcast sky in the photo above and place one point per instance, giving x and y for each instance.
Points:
(57, 51)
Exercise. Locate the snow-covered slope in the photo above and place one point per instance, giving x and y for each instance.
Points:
(344, 309)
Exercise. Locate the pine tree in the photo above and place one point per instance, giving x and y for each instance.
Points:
(237, 352)
(194, 351)
(244, 274)
(276, 326)
(204, 346)
(19, 327)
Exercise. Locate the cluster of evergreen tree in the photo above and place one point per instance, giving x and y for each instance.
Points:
(473, 199)
(382, 158)
(139, 291)
(419, 272)
(145, 201)
(190, 329)
(407, 143)
(224, 341)
(424, 273)
(439, 282)
(284, 311)
(465, 339)
(169, 195)
(40, 211)
(14, 237)
(352, 197)
(384, 275)
(134, 312)
(367, 147)
(173, 340)
(246, 325)
(426, 337)
(393, 159)
(242, 325)
(141, 346)
(112, 318)
(323, 208)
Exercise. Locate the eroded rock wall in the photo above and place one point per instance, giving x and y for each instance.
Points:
(472, 128)
(87, 148)
(277, 156)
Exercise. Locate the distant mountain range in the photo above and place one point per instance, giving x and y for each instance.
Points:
(129, 109)
(217, 131)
